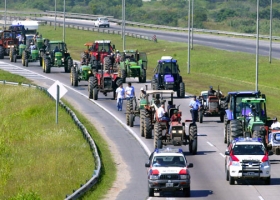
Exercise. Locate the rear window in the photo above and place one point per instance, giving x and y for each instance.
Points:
(103, 19)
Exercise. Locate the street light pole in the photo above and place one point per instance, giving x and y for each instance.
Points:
(64, 22)
(192, 24)
(257, 47)
(270, 33)
(189, 19)
(123, 33)
(55, 15)
(5, 13)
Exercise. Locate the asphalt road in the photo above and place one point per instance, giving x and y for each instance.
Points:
(208, 176)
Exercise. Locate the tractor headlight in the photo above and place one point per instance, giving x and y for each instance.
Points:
(173, 131)
(89, 72)
(180, 131)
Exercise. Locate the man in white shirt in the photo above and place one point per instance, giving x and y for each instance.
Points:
(120, 97)
(275, 124)
(32, 46)
(161, 113)
(129, 91)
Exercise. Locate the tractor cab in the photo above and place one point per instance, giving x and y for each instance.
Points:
(56, 49)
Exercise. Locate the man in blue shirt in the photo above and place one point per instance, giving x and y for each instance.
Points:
(195, 106)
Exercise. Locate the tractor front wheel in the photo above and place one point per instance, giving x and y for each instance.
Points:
(2, 51)
(193, 139)
(47, 65)
(74, 77)
(157, 136)
(90, 87)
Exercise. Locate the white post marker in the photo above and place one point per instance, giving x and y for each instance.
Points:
(57, 90)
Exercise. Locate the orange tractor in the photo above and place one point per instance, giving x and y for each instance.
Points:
(8, 40)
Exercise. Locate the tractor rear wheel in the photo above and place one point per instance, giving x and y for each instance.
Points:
(158, 136)
(11, 54)
(142, 79)
(2, 51)
(181, 90)
(200, 116)
(41, 61)
(25, 59)
(193, 139)
(123, 75)
(131, 116)
(225, 128)
(67, 69)
(74, 77)
(142, 126)
(47, 65)
(235, 130)
(90, 87)
(95, 93)
(147, 125)
(107, 63)
(222, 115)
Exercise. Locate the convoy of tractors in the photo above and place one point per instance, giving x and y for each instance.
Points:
(243, 113)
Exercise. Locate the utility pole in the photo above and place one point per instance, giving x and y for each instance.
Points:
(189, 20)
(55, 15)
(64, 22)
(257, 47)
(192, 24)
(270, 33)
(5, 14)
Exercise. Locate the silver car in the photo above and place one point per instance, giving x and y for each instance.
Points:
(102, 21)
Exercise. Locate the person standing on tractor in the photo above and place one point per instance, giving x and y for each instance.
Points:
(211, 91)
(195, 106)
(275, 124)
(20, 38)
(120, 97)
(129, 91)
(162, 115)
(142, 93)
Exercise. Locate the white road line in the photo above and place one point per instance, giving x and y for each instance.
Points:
(210, 144)
(260, 197)
(222, 155)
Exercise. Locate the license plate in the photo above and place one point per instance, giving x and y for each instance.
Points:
(251, 173)
(169, 184)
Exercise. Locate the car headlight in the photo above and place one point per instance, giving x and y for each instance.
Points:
(265, 164)
(154, 177)
(235, 163)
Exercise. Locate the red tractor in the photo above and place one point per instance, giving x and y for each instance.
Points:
(8, 40)
(103, 81)
(98, 51)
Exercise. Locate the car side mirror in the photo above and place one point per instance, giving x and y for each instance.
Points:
(227, 153)
(270, 153)
(190, 165)
(147, 164)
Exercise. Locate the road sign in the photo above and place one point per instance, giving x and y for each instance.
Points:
(53, 90)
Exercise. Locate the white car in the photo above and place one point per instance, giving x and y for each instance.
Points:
(102, 21)
(168, 171)
(274, 141)
(247, 158)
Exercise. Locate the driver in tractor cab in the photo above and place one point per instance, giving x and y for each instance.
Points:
(162, 115)
(211, 91)
(56, 49)
(174, 118)
(167, 70)
(32, 46)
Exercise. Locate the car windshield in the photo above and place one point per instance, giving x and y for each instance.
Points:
(103, 19)
(248, 149)
(169, 161)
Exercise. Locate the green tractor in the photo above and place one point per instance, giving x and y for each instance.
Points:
(252, 120)
(56, 55)
(80, 74)
(34, 55)
(133, 64)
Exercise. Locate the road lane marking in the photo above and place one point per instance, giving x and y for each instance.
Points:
(210, 144)
(260, 197)
(222, 155)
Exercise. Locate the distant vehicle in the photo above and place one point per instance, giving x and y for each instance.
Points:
(102, 21)
(168, 171)
(247, 158)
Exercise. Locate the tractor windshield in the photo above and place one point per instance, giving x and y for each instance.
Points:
(167, 68)
(52, 46)
(105, 47)
(253, 109)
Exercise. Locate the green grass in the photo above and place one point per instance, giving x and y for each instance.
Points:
(40, 159)
(228, 70)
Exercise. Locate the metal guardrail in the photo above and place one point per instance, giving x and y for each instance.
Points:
(88, 185)
(94, 17)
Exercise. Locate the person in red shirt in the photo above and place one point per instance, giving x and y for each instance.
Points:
(175, 117)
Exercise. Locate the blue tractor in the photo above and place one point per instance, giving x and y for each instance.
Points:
(232, 105)
(167, 77)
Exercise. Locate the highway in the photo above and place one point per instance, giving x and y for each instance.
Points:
(207, 177)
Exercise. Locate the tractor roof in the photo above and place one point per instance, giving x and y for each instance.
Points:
(130, 51)
(102, 41)
(243, 92)
(56, 42)
(253, 100)
(159, 91)
(167, 59)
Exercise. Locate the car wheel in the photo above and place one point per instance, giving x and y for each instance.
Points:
(151, 192)
(231, 180)
(227, 175)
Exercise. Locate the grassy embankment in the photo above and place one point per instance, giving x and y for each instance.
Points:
(230, 70)
(40, 159)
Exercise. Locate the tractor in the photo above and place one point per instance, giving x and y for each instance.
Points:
(97, 51)
(232, 112)
(80, 74)
(56, 55)
(103, 81)
(34, 55)
(167, 76)
(8, 40)
(252, 120)
(163, 134)
(133, 64)
(211, 105)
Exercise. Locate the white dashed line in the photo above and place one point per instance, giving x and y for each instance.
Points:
(222, 155)
(210, 144)
(260, 197)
